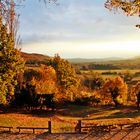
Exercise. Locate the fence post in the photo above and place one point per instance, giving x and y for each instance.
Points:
(79, 126)
(49, 127)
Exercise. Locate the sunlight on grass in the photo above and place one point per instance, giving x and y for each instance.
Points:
(8, 121)
(66, 118)
(103, 114)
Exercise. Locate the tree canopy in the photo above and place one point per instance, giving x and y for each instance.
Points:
(129, 7)
(66, 77)
(117, 89)
(46, 83)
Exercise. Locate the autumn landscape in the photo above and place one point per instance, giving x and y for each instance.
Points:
(70, 71)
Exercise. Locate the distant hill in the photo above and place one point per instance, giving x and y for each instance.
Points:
(85, 60)
(34, 58)
(80, 63)
(106, 63)
(133, 63)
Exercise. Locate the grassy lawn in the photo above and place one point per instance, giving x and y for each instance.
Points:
(65, 118)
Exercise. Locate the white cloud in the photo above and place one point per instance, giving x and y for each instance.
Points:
(86, 49)
(47, 28)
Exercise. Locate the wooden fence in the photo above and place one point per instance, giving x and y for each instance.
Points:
(49, 128)
(96, 128)
(80, 127)
(7, 127)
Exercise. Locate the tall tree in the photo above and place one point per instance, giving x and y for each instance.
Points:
(115, 88)
(11, 63)
(66, 77)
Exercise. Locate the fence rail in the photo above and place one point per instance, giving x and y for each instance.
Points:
(7, 127)
(36, 128)
(81, 127)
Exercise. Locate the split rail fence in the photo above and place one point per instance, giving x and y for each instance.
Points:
(82, 126)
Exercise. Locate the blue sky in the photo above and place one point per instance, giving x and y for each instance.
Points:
(78, 28)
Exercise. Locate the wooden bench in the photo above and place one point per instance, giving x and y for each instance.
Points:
(7, 127)
(33, 128)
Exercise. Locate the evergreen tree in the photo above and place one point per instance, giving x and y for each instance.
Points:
(11, 64)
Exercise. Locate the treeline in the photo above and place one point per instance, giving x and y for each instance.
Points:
(47, 85)
(98, 67)
(109, 65)
(58, 83)
(37, 59)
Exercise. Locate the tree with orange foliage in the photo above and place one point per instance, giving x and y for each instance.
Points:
(115, 88)
(47, 82)
(136, 91)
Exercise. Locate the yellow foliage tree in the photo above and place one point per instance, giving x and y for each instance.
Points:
(116, 89)
(67, 79)
(136, 91)
(11, 63)
(47, 82)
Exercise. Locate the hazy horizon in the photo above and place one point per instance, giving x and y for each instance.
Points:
(113, 58)
(78, 29)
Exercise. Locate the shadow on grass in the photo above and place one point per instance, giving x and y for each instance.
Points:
(33, 112)
(59, 136)
(81, 111)
(70, 136)
(100, 112)
(125, 112)
(121, 135)
(68, 110)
